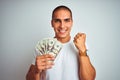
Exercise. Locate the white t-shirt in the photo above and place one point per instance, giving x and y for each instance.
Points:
(65, 65)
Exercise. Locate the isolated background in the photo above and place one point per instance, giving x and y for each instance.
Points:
(24, 22)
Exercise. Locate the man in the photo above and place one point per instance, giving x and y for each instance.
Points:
(71, 63)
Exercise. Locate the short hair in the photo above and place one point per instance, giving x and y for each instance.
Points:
(60, 8)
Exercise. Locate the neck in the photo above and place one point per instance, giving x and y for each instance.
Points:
(63, 40)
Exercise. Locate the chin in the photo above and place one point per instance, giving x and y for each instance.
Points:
(63, 36)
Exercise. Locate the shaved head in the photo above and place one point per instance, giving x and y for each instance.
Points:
(61, 8)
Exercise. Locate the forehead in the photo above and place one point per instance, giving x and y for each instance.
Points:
(61, 14)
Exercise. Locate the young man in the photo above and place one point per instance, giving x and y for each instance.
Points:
(72, 63)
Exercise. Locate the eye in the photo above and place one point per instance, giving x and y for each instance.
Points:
(67, 20)
(56, 20)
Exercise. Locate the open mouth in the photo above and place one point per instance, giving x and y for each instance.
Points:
(62, 31)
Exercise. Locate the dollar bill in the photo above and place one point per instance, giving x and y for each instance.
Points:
(56, 48)
(48, 46)
(38, 52)
(51, 43)
(42, 45)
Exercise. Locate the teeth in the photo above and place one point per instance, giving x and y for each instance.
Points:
(62, 31)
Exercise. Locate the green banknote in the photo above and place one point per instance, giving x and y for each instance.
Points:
(48, 46)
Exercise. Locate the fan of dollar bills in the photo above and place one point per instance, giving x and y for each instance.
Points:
(48, 46)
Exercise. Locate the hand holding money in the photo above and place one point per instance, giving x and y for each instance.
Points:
(48, 46)
(44, 62)
(47, 50)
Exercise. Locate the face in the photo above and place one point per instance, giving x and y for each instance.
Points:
(62, 23)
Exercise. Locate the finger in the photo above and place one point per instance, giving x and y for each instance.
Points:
(49, 56)
(40, 63)
(50, 59)
(47, 59)
(82, 34)
(49, 64)
(41, 67)
(46, 65)
(78, 35)
(75, 42)
(44, 61)
(77, 39)
(74, 38)
(44, 56)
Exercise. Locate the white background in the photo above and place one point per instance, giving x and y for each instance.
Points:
(23, 23)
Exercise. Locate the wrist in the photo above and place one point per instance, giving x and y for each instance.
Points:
(37, 71)
(83, 53)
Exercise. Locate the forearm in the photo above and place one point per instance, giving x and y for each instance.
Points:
(87, 71)
(32, 74)
(37, 76)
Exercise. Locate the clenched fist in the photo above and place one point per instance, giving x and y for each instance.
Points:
(79, 41)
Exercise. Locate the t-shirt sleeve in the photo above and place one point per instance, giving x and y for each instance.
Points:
(34, 56)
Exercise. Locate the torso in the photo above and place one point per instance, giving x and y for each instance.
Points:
(66, 64)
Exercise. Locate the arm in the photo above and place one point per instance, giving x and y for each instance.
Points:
(86, 69)
(42, 63)
(32, 74)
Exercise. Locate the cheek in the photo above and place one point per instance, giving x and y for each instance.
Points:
(55, 26)
(69, 25)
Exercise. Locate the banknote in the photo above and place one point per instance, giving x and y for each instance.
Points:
(48, 46)
(50, 43)
(40, 47)
(56, 48)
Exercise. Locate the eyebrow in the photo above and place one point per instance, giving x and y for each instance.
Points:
(67, 19)
(63, 19)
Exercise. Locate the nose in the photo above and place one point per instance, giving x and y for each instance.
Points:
(62, 24)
